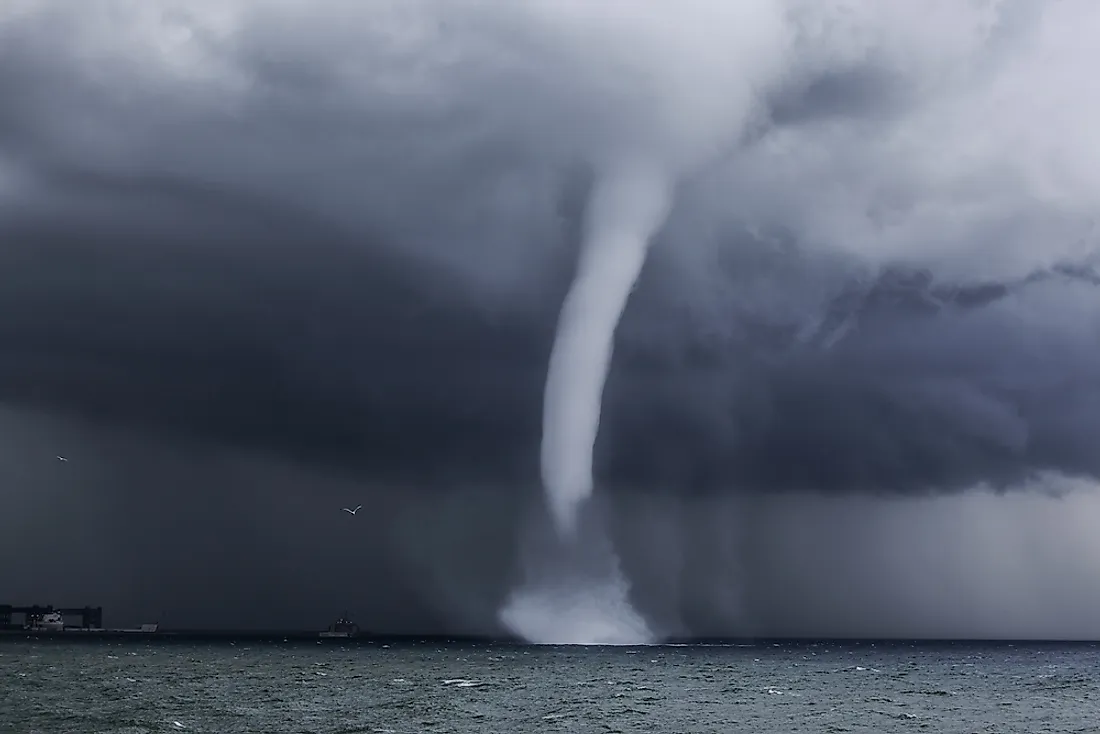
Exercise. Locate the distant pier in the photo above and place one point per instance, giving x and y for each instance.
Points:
(91, 618)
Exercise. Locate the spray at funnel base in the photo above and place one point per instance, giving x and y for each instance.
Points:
(574, 592)
(628, 205)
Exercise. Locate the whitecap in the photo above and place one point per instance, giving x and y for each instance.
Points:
(461, 682)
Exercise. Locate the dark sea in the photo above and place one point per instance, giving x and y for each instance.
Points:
(58, 687)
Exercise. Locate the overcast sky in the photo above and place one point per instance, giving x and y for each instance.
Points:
(258, 262)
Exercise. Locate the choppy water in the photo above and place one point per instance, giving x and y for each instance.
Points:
(57, 688)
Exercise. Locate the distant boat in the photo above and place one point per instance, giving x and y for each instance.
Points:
(342, 628)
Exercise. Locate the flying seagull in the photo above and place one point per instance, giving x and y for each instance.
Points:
(61, 458)
(352, 512)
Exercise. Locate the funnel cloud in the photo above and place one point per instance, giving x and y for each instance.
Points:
(259, 262)
(627, 207)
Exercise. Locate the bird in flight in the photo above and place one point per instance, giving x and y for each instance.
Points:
(352, 512)
(61, 458)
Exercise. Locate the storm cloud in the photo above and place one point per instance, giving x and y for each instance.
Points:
(330, 241)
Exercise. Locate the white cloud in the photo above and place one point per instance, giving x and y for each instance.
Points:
(376, 112)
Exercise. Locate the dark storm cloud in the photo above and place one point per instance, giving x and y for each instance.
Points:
(218, 327)
(901, 388)
(369, 364)
(334, 240)
(165, 267)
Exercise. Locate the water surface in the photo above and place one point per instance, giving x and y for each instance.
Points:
(56, 687)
